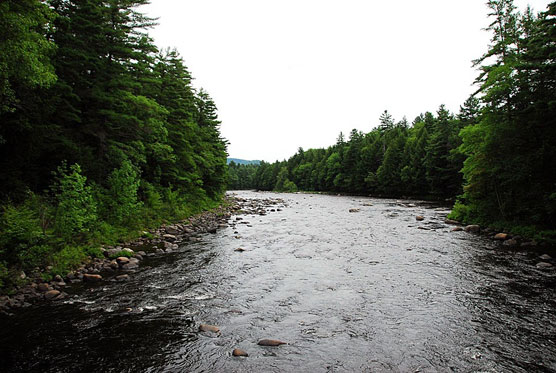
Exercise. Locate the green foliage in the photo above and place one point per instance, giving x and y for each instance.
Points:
(127, 254)
(19, 231)
(123, 185)
(67, 259)
(76, 208)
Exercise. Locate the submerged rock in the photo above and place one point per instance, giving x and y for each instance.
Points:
(239, 352)
(271, 342)
(354, 210)
(419, 218)
(544, 265)
(456, 229)
(545, 257)
(451, 221)
(209, 328)
(240, 249)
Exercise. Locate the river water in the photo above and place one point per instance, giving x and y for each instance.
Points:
(367, 291)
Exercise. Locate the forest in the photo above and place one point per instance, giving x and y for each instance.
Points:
(495, 159)
(102, 134)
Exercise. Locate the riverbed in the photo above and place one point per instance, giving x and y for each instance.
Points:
(371, 290)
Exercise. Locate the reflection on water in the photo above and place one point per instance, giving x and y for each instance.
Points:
(367, 291)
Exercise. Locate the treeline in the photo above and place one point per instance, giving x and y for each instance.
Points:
(496, 156)
(101, 132)
(395, 159)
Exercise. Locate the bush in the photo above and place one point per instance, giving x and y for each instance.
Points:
(70, 257)
(19, 230)
(76, 208)
(123, 185)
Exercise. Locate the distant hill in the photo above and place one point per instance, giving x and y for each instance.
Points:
(242, 161)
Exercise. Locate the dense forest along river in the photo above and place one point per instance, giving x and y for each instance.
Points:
(372, 290)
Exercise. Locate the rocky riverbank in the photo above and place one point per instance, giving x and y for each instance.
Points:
(120, 262)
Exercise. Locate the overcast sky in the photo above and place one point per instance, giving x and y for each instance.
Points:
(294, 73)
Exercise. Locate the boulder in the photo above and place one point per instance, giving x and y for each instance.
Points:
(209, 328)
(419, 218)
(122, 260)
(473, 228)
(169, 237)
(239, 352)
(510, 242)
(51, 294)
(92, 277)
(122, 277)
(271, 342)
(43, 287)
(501, 236)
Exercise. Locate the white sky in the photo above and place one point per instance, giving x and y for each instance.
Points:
(294, 73)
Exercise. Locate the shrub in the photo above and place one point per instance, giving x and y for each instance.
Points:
(123, 185)
(76, 208)
(19, 230)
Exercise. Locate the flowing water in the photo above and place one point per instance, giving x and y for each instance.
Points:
(367, 291)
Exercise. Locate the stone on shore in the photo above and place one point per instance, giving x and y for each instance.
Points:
(51, 294)
(122, 260)
(452, 222)
(92, 277)
(510, 242)
(473, 228)
(271, 342)
(501, 236)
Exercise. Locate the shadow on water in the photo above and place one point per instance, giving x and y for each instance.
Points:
(370, 290)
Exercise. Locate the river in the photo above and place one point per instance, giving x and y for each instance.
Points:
(372, 290)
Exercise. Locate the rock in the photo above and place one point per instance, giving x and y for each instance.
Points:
(510, 242)
(271, 342)
(111, 252)
(543, 265)
(122, 260)
(122, 277)
(114, 264)
(169, 237)
(545, 257)
(419, 218)
(240, 249)
(452, 222)
(473, 228)
(209, 328)
(128, 250)
(239, 352)
(501, 236)
(58, 278)
(456, 229)
(43, 287)
(172, 230)
(51, 294)
(142, 253)
(92, 278)
(354, 210)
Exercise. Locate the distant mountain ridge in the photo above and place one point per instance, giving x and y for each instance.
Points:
(242, 161)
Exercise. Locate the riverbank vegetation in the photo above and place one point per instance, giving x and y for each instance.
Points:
(102, 134)
(496, 157)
